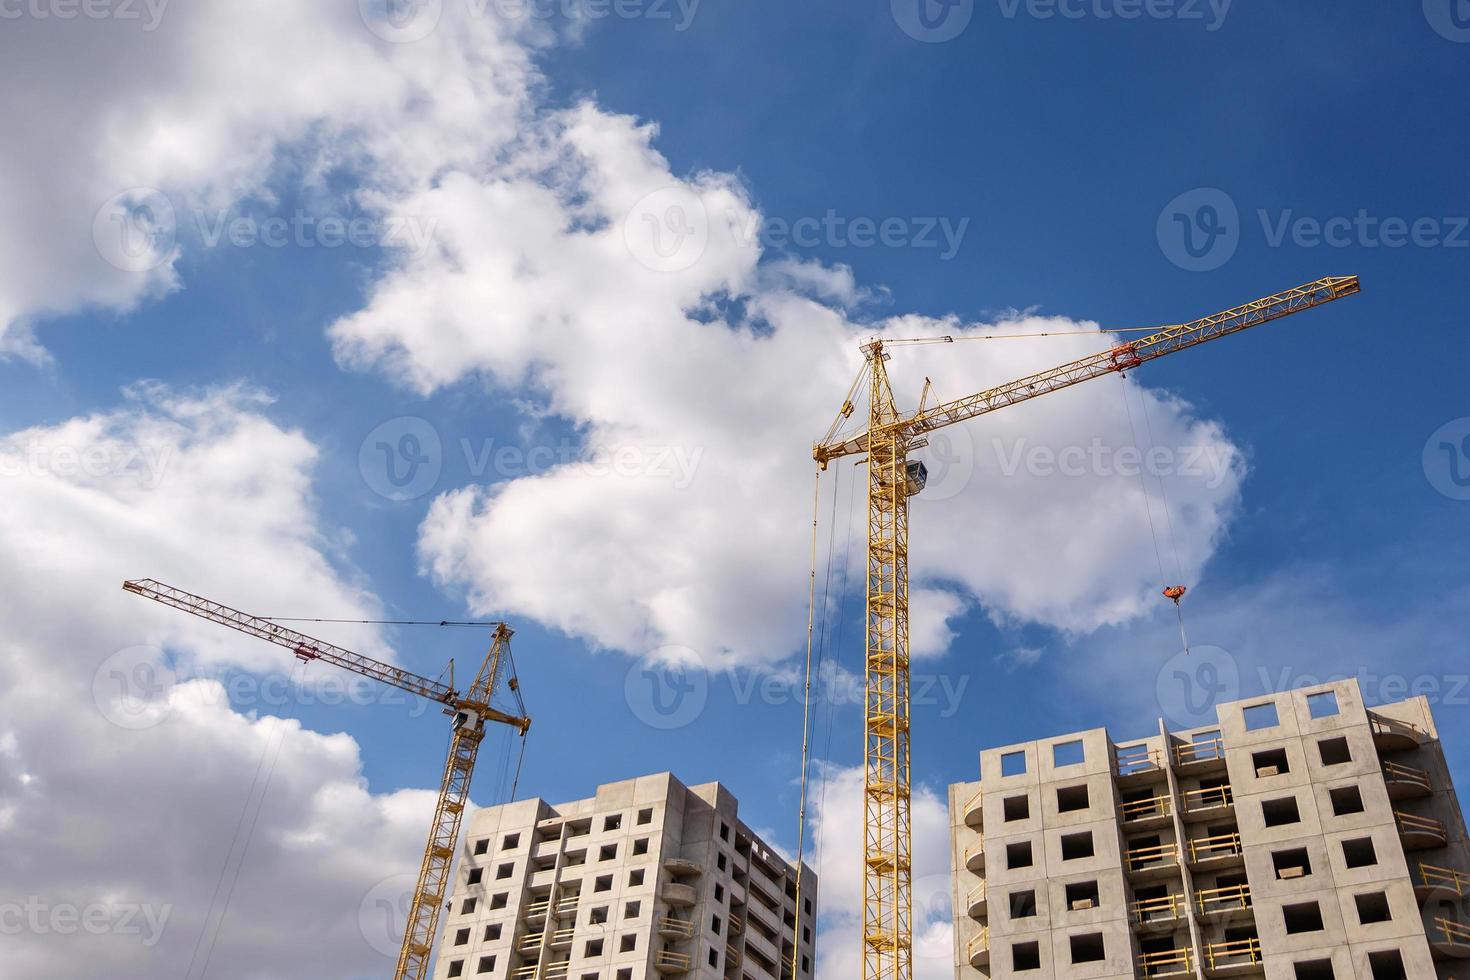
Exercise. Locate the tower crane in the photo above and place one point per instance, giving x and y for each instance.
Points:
(470, 711)
(892, 479)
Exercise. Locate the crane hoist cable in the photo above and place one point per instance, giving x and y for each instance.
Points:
(806, 701)
(836, 646)
(1173, 592)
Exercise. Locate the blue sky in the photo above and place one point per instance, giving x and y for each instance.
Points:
(1066, 154)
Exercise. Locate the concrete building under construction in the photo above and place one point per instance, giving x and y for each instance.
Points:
(1302, 837)
(648, 878)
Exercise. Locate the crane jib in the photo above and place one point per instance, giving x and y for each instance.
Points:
(305, 648)
(1116, 360)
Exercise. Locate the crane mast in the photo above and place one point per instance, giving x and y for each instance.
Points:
(887, 933)
(470, 711)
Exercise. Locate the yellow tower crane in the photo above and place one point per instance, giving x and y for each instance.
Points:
(470, 711)
(892, 478)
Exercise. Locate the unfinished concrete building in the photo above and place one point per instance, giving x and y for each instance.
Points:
(1303, 837)
(649, 878)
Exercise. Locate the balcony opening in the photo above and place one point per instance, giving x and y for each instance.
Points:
(1359, 853)
(1387, 964)
(1068, 754)
(1280, 812)
(1305, 917)
(1204, 747)
(1231, 880)
(1026, 956)
(1335, 751)
(1290, 864)
(1315, 970)
(1373, 907)
(1070, 799)
(1077, 846)
(1013, 764)
(1142, 804)
(1346, 800)
(1260, 716)
(1018, 855)
(1088, 948)
(1082, 895)
(1023, 904)
(1016, 808)
(1271, 762)
(1323, 704)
